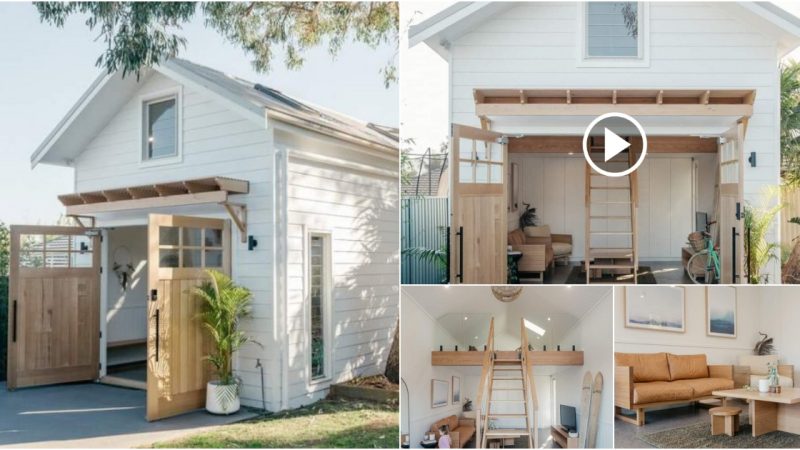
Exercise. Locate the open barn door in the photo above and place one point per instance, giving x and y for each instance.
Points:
(54, 306)
(180, 249)
(478, 235)
(731, 204)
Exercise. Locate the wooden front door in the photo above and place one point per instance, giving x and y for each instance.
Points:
(478, 236)
(54, 306)
(179, 251)
(731, 193)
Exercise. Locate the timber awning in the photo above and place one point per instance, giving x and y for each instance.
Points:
(176, 193)
(635, 102)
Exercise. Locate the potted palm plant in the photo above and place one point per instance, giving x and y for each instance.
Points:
(224, 305)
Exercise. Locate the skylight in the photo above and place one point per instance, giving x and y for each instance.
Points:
(533, 327)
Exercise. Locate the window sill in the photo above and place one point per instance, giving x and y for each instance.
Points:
(172, 160)
(317, 381)
(600, 62)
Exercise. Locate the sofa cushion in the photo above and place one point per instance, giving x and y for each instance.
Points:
(450, 421)
(540, 231)
(660, 391)
(516, 237)
(759, 364)
(465, 433)
(687, 367)
(646, 366)
(703, 387)
(562, 249)
(784, 381)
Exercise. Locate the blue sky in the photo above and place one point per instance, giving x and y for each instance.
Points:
(44, 70)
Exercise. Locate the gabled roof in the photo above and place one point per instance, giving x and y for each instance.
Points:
(441, 29)
(109, 92)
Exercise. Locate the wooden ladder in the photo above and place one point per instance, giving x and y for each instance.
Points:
(618, 209)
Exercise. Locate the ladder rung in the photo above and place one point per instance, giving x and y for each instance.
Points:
(507, 401)
(507, 389)
(610, 253)
(593, 202)
(506, 415)
(609, 217)
(511, 379)
(507, 360)
(611, 188)
(508, 369)
(612, 233)
(507, 432)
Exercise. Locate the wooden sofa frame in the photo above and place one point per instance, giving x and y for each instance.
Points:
(623, 392)
(741, 374)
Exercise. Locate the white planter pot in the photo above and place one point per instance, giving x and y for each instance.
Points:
(763, 385)
(222, 398)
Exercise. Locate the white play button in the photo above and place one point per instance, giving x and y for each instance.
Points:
(613, 144)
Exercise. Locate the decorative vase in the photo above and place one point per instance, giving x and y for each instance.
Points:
(222, 398)
(763, 385)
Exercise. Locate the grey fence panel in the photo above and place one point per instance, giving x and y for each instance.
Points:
(424, 225)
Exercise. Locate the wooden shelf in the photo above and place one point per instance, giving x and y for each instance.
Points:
(561, 437)
(535, 358)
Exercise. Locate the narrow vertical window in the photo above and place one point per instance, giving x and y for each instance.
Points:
(161, 129)
(318, 273)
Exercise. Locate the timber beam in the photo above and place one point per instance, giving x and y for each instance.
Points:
(535, 358)
(574, 144)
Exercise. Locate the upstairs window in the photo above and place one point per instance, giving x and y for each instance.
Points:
(613, 30)
(160, 129)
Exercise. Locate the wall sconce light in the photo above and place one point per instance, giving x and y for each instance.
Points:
(251, 242)
(752, 159)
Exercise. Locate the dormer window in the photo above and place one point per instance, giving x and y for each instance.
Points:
(614, 34)
(161, 129)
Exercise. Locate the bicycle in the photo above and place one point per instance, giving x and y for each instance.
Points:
(708, 257)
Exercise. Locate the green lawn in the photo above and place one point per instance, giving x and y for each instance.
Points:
(326, 424)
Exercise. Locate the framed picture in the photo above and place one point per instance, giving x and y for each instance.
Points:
(659, 308)
(456, 390)
(721, 311)
(440, 393)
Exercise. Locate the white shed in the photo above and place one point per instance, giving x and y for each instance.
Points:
(186, 168)
(701, 77)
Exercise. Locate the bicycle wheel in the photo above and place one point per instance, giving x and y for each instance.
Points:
(697, 267)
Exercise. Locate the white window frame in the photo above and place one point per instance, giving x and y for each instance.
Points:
(155, 97)
(327, 302)
(643, 58)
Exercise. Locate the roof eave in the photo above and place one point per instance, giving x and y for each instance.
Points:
(331, 132)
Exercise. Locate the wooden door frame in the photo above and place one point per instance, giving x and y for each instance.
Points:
(458, 131)
(15, 232)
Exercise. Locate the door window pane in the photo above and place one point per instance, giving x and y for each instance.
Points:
(82, 243)
(481, 173)
(496, 173)
(214, 258)
(78, 259)
(57, 243)
(56, 259)
(192, 237)
(465, 147)
(168, 235)
(213, 237)
(192, 257)
(168, 258)
(612, 29)
(465, 174)
(31, 259)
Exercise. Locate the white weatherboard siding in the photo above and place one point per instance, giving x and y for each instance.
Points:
(359, 211)
(692, 45)
(555, 187)
(216, 142)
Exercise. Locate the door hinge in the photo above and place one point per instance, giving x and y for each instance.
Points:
(99, 366)
(101, 269)
(101, 335)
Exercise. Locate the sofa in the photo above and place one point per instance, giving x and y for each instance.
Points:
(752, 368)
(461, 430)
(647, 380)
(540, 249)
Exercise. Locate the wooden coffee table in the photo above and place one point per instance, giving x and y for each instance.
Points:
(769, 412)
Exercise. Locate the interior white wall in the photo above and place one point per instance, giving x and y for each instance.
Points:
(668, 193)
(778, 313)
(718, 350)
(126, 314)
(593, 335)
(417, 372)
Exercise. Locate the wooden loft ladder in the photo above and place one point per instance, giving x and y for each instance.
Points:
(513, 377)
(611, 232)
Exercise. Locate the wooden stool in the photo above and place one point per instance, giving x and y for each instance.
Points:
(724, 419)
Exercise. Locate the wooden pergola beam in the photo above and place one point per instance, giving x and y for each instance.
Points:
(238, 214)
(596, 109)
(574, 144)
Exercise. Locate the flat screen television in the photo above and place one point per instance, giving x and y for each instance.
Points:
(568, 418)
(700, 221)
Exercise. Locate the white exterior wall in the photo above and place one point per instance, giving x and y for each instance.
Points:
(692, 45)
(359, 209)
(216, 142)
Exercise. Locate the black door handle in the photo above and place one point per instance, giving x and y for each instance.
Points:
(734, 234)
(14, 331)
(447, 252)
(158, 331)
(460, 274)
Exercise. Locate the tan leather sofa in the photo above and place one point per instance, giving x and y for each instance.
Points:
(538, 255)
(646, 380)
(461, 430)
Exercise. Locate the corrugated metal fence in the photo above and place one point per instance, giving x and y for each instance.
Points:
(424, 224)
(791, 201)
